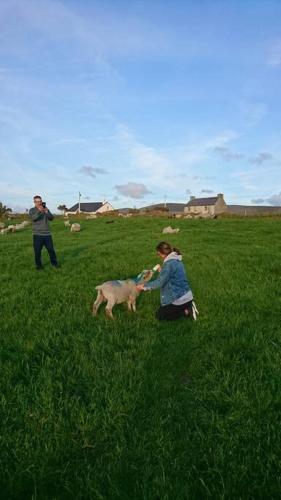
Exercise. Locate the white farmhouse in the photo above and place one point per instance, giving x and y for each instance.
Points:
(91, 208)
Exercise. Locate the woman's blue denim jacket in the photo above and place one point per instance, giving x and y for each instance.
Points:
(172, 280)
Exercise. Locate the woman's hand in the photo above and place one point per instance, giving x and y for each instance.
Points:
(140, 287)
(157, 268)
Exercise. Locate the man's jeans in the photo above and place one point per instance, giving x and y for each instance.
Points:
(39, 242)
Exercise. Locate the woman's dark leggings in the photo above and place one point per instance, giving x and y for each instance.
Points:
(171, 311)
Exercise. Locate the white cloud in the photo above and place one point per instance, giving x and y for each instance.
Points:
(133, 190)
(275, 199)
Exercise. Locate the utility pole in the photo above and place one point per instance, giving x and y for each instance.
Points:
(79, 202)
(165, 200)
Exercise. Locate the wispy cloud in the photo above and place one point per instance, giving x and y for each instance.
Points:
(251, 179)
(208, 191)
(257, 201)
(260, 158)
(146, 158)
(226, 154)
(69, 141)
(92, 171)
(252, 113)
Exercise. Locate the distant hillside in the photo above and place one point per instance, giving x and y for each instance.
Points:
(253, 210)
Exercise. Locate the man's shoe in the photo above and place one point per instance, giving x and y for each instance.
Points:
(56, 266)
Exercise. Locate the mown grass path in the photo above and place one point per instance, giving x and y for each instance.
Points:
(137, 409)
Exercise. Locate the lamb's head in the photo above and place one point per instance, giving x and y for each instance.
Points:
(145, 276)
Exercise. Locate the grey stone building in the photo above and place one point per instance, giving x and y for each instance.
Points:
(206, 206)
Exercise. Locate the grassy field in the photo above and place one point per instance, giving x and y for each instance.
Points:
(135, 408)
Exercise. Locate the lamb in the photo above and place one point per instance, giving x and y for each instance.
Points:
(169, 230)
(119, 291)
(67, 223)
(75, 227)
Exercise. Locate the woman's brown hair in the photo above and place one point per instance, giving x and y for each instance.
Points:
(165, 248)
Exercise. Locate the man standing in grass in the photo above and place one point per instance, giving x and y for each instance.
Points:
(40, 216)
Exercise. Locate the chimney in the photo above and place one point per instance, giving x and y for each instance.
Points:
(192, 198)
(220, 195)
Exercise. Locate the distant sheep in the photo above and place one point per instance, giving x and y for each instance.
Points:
(117, 292)
(169, 230)
(67, 223)
(12, 228)
(2, 225)
(75, 228)
(22, 225)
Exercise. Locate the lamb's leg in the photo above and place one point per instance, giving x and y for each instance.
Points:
(132, 299)
(108, 309)
(129, 305)
(99, 300)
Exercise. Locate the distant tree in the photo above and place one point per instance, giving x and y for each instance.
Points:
(63, 208)
(4, 210)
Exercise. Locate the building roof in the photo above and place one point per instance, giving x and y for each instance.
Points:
(86, 207)
(202, 202)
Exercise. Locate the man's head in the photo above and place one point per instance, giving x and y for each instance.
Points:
(37, 200)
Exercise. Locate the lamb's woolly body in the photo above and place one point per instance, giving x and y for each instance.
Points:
(119, 291)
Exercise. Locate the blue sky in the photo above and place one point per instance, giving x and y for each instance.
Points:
(132, 101)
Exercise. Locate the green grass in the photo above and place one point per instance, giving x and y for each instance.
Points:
(135, 408)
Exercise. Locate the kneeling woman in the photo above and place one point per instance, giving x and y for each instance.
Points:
(176, 295)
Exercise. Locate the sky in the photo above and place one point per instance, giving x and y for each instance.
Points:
(136, 102)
